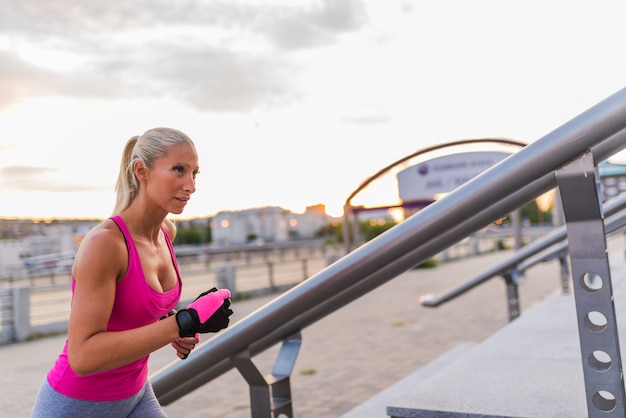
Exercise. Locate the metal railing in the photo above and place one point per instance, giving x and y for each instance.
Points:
(34, 304)
(44, 298)
(503, 188)
(550, 246)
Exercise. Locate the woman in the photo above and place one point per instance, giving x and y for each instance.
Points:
(124, 280)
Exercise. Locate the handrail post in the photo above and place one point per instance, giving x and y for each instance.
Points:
(593, 290)
(270, 396)
(512, 292)
(260, 396)
(565, 273)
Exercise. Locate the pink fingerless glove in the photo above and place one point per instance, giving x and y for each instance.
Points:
(208, 304)
(208, 313)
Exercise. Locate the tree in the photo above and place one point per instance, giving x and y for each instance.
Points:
(371, 229)
(190, 236)
(332, 232)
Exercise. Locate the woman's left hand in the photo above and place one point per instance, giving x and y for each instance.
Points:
(183, 346)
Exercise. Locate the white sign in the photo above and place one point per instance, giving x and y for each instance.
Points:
(427, 179)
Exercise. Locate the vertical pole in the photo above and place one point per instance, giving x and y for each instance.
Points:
(347, 210)
(356, 231)
(225, 278)
(260, 395)
(270, 271)
(593, 290)
(564, 273)
(516, 224)
(305, 270)
(512, 293)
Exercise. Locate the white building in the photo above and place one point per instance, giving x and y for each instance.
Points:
(267, 224)
(51, 245)
(11, 253)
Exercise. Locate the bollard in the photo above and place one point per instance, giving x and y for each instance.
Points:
(21, 313)
(225, 278)
(270, 271)
(305, 270)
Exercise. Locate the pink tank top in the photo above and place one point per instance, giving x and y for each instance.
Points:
(136, 304)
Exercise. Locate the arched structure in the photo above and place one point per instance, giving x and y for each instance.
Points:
(351, 234)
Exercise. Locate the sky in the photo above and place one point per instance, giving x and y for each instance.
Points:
(291, 103)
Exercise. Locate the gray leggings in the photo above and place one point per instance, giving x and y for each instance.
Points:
(50, 404)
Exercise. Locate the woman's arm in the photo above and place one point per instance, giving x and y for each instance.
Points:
(101, 260)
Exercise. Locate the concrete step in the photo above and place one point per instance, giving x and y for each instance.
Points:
(530, 368)
(376, 407)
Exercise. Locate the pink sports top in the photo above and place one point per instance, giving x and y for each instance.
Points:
(136, 304)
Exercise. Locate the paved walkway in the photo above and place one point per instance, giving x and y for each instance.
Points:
(345, 359)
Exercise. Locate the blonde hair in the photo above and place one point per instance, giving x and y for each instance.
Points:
(152, 145)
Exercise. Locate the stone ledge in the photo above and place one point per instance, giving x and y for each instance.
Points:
(530, 368)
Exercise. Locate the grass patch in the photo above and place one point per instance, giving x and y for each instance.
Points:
(428, 264)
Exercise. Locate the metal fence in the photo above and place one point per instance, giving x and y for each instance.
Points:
(37, 303)
(43, 296)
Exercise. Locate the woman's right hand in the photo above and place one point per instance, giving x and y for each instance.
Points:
(184, 345)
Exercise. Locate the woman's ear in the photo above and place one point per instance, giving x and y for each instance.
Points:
(141, 171)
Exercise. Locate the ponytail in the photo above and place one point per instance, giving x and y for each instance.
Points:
(127, 184)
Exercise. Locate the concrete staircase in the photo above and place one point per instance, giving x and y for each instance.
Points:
(530, 368)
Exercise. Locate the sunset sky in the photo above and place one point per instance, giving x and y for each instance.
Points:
(291, 103)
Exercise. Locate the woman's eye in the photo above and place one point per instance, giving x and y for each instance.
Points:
(179, 169)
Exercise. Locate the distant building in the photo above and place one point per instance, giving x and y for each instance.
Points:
(612, 178)
(267, 224)
(11, 254)
(35, 241)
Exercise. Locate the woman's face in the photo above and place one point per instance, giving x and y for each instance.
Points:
(172, 179)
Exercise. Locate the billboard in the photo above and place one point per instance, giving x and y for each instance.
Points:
(426, 180)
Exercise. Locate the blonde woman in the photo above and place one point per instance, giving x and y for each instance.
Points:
(125, 284)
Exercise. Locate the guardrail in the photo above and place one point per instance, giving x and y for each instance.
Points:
(38, 303)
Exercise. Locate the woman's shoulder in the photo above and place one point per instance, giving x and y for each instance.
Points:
(106, 235)
(170, 228)
(102, 249)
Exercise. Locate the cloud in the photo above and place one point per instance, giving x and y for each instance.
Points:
(288, 24)
(18, 78)
(317, 26)
(213, 55)
(36, 179)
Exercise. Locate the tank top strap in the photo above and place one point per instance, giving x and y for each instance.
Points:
(132, 250)
(130, 244)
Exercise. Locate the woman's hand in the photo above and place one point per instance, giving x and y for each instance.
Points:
(184, 345)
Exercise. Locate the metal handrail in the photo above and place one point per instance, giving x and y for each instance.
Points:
(555, 242)
(528, 173)
(614, 225)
